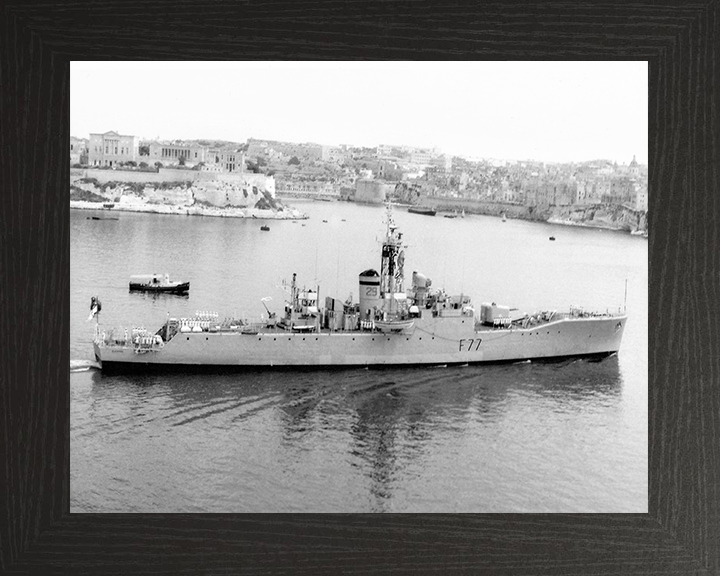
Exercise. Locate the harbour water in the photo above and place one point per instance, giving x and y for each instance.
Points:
(567, 436)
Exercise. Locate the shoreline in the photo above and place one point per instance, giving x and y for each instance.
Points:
(530, 214)
(247, 213)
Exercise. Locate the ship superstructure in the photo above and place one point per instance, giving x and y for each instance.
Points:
(389, 325)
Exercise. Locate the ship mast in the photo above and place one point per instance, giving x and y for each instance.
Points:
(393, 259)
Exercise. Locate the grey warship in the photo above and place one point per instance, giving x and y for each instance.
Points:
(388, 326)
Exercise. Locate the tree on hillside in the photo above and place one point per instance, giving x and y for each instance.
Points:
(181, 161)
(294, 160)
(158, 164)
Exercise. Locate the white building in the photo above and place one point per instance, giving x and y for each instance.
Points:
(112, 149)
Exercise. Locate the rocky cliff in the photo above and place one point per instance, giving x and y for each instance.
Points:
(216, 194)
(609, 216)
(612, 216)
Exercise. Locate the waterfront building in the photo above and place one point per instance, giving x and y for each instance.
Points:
(309, 188)
(176, 153)
(78, 150)
(229, 159)
(112, 149)
(641, 199)
(372, 191)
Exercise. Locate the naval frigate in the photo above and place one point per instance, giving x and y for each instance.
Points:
(388, 326)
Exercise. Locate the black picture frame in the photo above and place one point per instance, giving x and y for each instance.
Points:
(681, 532)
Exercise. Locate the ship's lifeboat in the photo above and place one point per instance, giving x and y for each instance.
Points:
(394, 325)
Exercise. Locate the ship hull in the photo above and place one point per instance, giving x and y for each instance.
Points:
(174, 289)
(423, 211)
(430, 342)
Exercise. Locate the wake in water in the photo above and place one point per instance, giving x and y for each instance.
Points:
(83, 365)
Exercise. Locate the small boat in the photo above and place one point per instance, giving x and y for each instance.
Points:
(504, 218)
(157, 283)
(422, 210)
(109, 205)
(265, 227)
(552, 237)
(303, 327)
(450, 216)
(393, 325)
(100, 218)
(325, 221)
(462, 214)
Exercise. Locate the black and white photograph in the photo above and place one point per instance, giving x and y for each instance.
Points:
(359, 287)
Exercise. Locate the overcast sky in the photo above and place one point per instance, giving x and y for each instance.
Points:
(551, 111)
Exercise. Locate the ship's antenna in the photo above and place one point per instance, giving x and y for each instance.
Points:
(625, 304)
(462, 273)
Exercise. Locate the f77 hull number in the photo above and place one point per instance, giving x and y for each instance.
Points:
(469, 344)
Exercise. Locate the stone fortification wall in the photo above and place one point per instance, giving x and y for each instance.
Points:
(611, 216)
(372, 191)
(177, 187)
(169, 175)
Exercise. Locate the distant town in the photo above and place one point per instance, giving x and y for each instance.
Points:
(594, 192)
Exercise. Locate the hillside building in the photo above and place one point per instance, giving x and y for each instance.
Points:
(112, 149)
(78, 150)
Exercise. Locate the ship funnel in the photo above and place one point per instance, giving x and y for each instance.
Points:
(369, 293)
(419, 280)
(420, 285)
